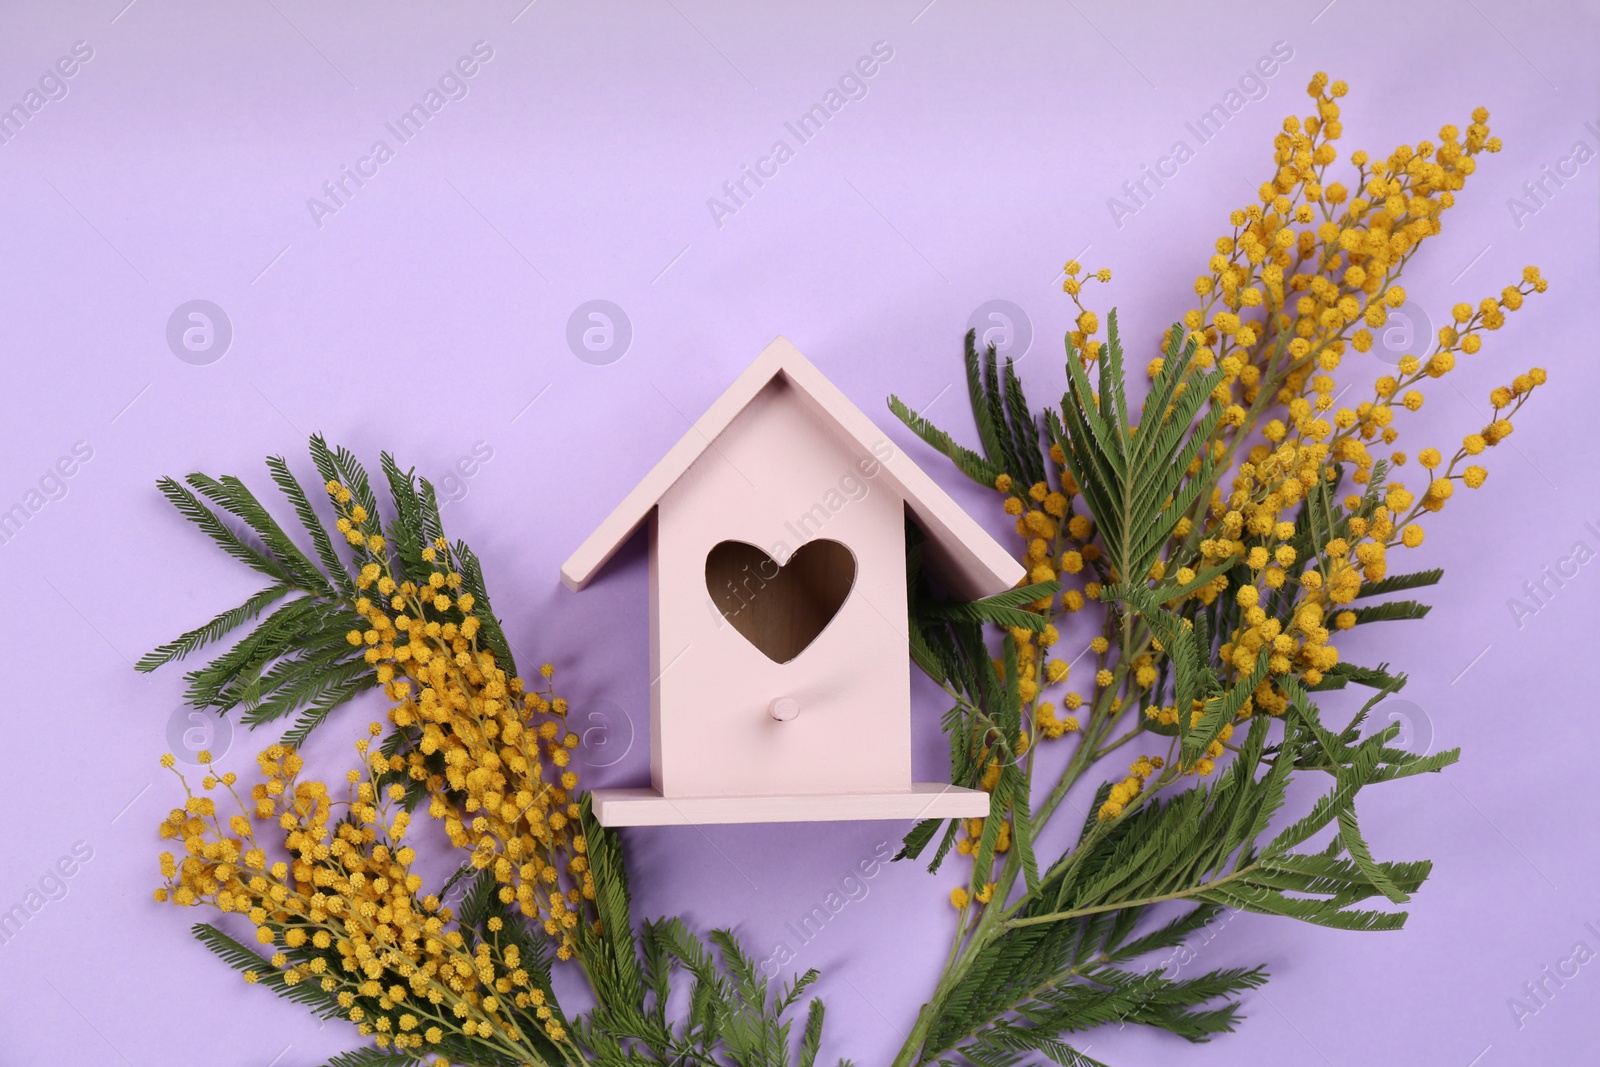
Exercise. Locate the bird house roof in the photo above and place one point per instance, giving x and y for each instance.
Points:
(960, 551)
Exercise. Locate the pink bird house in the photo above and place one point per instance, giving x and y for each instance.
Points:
(779, 653)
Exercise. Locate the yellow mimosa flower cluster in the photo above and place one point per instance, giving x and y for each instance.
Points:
(494, 758)
(344, 910)
(1306, 275)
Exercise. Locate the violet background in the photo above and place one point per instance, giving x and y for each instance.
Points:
(429, 314)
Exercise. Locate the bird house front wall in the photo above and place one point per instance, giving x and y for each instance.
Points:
(759, 505)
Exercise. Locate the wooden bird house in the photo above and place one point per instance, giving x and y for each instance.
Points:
(779, 659)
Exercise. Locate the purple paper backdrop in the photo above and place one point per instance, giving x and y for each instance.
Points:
(427, 309)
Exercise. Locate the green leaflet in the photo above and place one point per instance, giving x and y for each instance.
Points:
(1002, 609)
(734, 1014)
(1137, 484)
(294, 658)
(1197, 846)
(1007, 428)
(967, 461)
(372, 1057)
(1063, 955)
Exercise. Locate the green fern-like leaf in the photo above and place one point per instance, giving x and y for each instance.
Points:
(373, 1057)
(1137, 481)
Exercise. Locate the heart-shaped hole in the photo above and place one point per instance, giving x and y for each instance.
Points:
(780, 609)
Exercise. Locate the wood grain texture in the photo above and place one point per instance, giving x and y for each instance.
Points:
(780, 609)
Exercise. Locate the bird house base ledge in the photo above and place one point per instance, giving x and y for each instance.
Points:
(924, 800)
